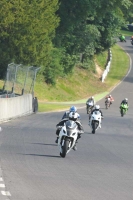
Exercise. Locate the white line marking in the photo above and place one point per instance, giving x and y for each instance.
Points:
(1, 179)
(2, 185)
(5, 193)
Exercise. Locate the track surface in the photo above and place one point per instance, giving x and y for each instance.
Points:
(101, 168)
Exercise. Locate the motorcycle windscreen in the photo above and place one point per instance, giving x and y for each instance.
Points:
(70, 126)
(97, 113)
(90, 103)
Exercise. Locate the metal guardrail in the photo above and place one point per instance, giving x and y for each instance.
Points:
(106, 71)
(8, 95)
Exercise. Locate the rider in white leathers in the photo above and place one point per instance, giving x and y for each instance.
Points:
(72, 116)
(97, 108)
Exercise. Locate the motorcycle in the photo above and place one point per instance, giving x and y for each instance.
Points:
(89, 106)
(132, 42)
(107, 103)
(95, 121)
(67, 137)
(122, 39)
(123, 109)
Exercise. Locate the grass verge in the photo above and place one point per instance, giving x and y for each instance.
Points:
(46, 107)
(82, 84)
(127, 33)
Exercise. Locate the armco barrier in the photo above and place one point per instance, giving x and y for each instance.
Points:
(107, 66)
(15, 107)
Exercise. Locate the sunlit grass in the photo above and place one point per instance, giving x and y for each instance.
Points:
(43, 107)
(127, 33)
(83, 84)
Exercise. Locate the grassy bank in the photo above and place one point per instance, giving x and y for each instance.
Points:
(127, 33)
(82, 83)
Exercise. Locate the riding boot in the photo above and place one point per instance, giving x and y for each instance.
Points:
(56, 141)
(75, 148)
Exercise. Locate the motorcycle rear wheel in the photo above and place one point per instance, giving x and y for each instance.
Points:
(88, 110)
(64, 149)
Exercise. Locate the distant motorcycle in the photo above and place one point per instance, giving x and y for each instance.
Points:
(132, 42)
(67, 137)
(95, 121)
(107, 103)
(89, 107)
(123, 109)
(122, 39)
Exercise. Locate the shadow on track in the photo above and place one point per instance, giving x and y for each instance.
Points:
(45, 144)
(50, 156)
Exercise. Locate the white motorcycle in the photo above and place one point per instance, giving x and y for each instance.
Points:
(95, 121)
(67, 137)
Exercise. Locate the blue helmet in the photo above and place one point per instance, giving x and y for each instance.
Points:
(73, 109)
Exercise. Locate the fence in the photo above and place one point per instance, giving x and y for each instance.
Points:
(106, 71)
(19, 80)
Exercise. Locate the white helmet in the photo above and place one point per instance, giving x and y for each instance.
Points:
(126, 99)
(92, 97)
(97, 107)
(110, 95)
(73, 116)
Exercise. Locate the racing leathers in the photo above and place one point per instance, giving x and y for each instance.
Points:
(93, 112)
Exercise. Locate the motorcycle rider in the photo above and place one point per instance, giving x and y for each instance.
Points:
(97, 108)
(111, 99)
(124, 101)
(122, 38)
(131, 38)
(91, 99)
(66, 117)
(72, 109)
(74, 117)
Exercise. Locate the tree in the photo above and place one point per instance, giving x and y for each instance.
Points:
(26, 31)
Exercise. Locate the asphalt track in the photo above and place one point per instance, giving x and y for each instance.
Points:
(101, 168)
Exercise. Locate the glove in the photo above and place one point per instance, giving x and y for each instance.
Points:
(80, 132)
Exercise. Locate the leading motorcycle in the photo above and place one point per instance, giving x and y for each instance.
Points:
(67, 137)
(95, 121)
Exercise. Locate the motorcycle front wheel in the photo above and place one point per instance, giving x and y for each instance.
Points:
(106, 106)
(122, 112)
(94, 126)
(64, 149)
(88, 110)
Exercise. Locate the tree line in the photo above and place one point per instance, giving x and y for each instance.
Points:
(57, 34)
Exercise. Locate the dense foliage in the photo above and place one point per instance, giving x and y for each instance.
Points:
(56, 34)
(27, 28)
